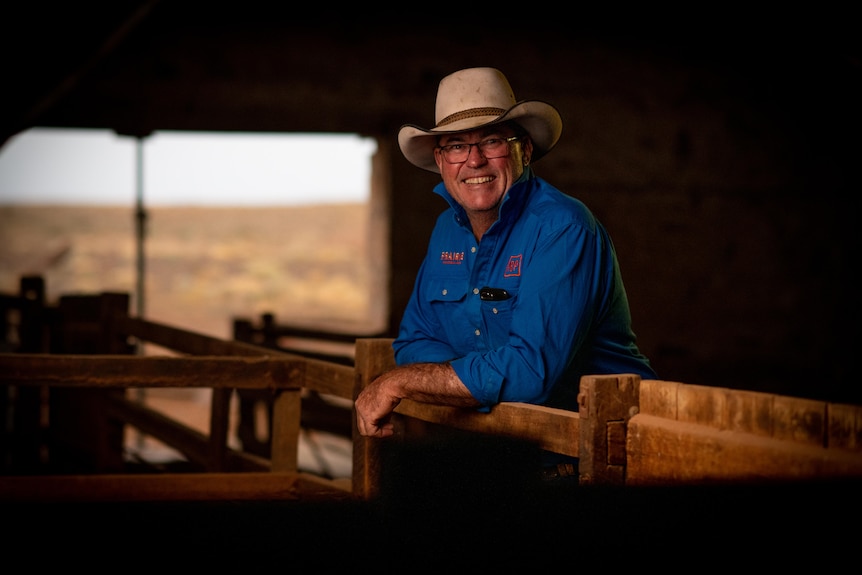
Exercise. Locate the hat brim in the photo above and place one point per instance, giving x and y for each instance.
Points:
(540, 119)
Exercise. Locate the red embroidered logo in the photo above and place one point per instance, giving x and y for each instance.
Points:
(450, 258)
(513, 268)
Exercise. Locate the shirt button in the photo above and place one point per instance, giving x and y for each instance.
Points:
(445, 291)
(477, 332)
(473, 249)
(475, 290)
(494, 310)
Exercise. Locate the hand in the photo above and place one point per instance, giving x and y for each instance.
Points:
(374, 407)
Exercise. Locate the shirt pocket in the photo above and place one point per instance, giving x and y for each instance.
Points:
(446, 291)
(447, 300)
(497, 319)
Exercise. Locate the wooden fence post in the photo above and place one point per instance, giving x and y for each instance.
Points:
(286, 411)
(373, 357)
(22, 413)
(606, 403)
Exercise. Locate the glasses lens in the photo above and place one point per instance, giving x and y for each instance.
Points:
(490, 148)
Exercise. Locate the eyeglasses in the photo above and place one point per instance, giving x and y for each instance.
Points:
(490, 148)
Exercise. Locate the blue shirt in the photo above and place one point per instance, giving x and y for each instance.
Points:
(567, 314)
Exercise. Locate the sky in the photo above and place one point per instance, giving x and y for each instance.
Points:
(45, 166)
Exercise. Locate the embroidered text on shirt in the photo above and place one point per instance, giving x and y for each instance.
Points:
(451, 257)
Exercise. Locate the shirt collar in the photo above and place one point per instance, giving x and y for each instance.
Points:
(511, 204)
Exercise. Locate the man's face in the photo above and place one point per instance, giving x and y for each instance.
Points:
(479, 183)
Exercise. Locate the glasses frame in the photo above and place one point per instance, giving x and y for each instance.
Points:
(444, 151)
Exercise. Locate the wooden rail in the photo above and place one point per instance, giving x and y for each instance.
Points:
(99, 380)
(693, 434)
(627, 431)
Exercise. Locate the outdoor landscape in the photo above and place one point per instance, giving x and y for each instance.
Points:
(203, 266)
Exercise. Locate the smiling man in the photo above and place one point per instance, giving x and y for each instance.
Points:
(520, 292)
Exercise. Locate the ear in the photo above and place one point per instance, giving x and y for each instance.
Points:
(527, 150)
(438, 159)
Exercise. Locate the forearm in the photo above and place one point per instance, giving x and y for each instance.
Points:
(425, 382)
(428, 383)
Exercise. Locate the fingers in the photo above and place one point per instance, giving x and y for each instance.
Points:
(373, 429)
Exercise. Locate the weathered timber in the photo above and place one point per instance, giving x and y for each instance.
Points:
(373, 357)
(328, 371)
(329, 378)
(185, 341)
(107, 371)
(606, 404)
(194, 445)
(171, 487)
(548, 428)
(663, 451)
(285, 430)
(695, 434)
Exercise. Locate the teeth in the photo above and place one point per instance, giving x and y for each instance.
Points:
(484, 180)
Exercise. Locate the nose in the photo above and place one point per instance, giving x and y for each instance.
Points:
(475, 157)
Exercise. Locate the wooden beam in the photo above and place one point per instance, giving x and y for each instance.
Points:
(185, 341)
(607, 403)
(330, 378)
(194, 445)
(665, 451)
(106, 371)
(285, 431)
(548, 428)
(373, 357)
(171, 487)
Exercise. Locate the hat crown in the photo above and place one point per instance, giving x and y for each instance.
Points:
(476, 98)
(472, 92)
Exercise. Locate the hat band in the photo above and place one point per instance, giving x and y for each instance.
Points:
(471, 113)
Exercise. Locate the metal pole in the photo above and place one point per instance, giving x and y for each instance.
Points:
(140, 235)
(141, 222)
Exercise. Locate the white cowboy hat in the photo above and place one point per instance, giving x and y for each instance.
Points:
(476, 97)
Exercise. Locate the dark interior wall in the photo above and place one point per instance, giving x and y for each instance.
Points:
(722, 164)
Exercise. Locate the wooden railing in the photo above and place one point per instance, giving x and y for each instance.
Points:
(220, 365)
(627, 431)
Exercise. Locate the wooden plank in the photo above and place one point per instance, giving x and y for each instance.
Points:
(617, 443)
(763, 414)
(797, 419)
(607, 402)
(219, 428)
(105, 371)
(373, 357)
(170, 487)
(548, 428)
(663, 451)
(329, 378)
(193, 444)
(750, 412)
(285, 430)
(844, 426)
(702, 404)
(658, 397)
(185, 341)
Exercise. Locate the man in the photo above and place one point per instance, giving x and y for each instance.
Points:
(520, 292)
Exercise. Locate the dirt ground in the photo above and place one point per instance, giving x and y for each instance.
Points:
(203, 267)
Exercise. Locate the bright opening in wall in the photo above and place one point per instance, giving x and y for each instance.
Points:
(236, 224)
(97, 167)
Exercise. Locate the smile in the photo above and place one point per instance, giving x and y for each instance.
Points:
(483, 180)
